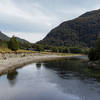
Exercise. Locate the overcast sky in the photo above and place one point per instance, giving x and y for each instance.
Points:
(33, 19)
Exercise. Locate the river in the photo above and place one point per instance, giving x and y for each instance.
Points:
(65, 79)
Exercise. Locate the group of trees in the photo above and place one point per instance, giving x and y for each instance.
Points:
(3, 44)
(59, 49)
(82, 31)
(13, 44)
(94, 53)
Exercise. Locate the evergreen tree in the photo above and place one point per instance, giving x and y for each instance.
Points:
(92, 54)
(13, 44)
(98, 46)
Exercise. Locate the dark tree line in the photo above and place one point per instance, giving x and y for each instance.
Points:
(14, 45)
(94, 53)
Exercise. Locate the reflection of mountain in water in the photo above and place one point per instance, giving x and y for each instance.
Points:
(72, 78)
(65, 67)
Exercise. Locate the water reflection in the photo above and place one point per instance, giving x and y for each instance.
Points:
(38, 65)
(66, 79)
(65, 68)
(74, 78)
(12, 77)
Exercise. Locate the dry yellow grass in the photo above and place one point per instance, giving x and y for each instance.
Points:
(5, 50)
(26, 51)
(60, 54)
(69, 54)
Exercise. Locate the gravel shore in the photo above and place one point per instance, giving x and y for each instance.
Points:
(12, 61)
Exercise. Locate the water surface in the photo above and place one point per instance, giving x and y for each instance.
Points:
(66, 79)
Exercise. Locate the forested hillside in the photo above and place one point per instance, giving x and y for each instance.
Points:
(82, 31)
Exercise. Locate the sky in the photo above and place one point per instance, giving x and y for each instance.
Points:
(33, 19)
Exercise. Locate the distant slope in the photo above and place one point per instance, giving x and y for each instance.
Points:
(6, 38)
(3, 36)
(82, 31)
(22, 40)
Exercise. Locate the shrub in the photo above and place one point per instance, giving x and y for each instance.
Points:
(98, 47)
(75, 50)
(13, 44)
(38, 47)
(85, 51)
(92, 55)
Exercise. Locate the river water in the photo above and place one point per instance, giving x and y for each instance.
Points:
(65, 79)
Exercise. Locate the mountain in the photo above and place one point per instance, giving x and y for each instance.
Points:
(81, 31)
(22, 40)
(6, 38)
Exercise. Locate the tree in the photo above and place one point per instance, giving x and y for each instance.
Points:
(93, 54)
(38, 47)
(75, 50)
(13, 44)
(98, 47)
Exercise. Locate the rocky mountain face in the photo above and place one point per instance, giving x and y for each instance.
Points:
(81, 31)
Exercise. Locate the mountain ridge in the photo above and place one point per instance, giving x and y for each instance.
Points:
(81, 31)
(6, 38)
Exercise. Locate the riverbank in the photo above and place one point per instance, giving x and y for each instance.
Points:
(11, 61)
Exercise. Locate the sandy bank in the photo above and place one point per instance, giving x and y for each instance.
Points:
(12, 61)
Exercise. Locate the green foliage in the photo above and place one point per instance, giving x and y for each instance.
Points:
(75, 50)
(98, 47)
(85, 51)
(97, 62)
(38, 47)
(59, 49)
(13, 44)
(82, 31)
(3, 44)
(63, 50)
(25, 46)
(92, 55)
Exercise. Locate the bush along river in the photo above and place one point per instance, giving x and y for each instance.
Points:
(64, 79)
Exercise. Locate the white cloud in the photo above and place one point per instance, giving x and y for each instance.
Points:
(14, 18)
(32, 37)
(33, 19)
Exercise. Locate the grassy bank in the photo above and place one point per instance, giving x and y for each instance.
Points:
(6, 50)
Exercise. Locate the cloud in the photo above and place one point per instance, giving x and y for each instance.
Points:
(35, 18)
(11, 13)
(32, 37)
